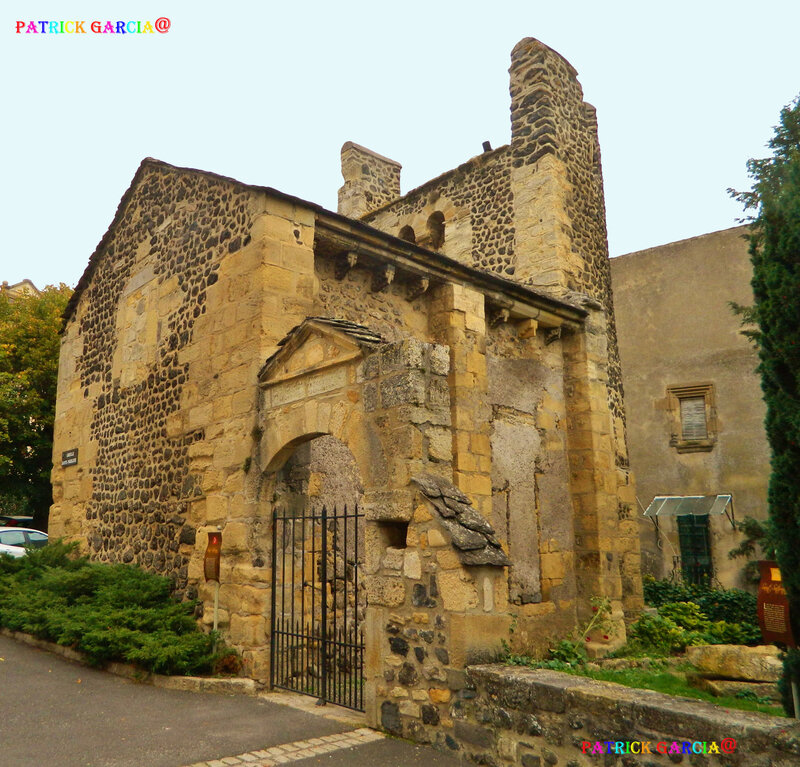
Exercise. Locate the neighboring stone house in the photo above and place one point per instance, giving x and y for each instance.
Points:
(24, 287)
(693, 398)
(444, 361)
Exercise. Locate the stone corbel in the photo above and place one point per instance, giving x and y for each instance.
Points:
(344, 264)
(417, 287)
(527, 328)
(553, 334)
(498, 313)
(382, 277)
(498, 317)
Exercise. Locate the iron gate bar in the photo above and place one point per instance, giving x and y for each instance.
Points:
(321, 653)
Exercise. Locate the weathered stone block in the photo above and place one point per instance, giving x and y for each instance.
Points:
(403, 388)
(753, 664)
(473, 734)
(390, 592)
(249, 630)
(390, 718)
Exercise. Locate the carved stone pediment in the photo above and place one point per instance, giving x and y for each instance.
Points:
(312, 359)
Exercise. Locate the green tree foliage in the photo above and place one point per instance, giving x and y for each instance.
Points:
(775, 253)
(759, 539)
(29, 346)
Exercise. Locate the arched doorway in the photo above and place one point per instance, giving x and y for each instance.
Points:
(318, 597)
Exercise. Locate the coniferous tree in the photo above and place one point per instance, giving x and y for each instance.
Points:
(775, 253)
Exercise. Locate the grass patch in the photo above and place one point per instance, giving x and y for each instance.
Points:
(675, 684)
(108, 612)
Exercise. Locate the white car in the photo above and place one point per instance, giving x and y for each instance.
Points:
(14, 539)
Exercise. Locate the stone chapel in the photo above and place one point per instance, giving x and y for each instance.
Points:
(435, 372)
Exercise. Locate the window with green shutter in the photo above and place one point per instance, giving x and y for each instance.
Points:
(695, 544)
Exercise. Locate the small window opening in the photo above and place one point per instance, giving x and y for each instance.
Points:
(436, 229)
(693, 418)
(393, 534)
(407, 234)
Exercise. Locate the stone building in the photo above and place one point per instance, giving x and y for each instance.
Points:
(24, 287)
(444, 361)
(693, 399)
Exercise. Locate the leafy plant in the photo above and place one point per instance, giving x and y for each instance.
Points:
(108, 612)
(759, 540)
(573, 651)
(731, 605)
(660, 634)
(687, 615)
(29, 348)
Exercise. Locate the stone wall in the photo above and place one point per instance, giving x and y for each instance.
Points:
(387, 311)
(533, 211)
(530, 478)
(534, 718)
(370, 180)
(185, 296)
(477, 206)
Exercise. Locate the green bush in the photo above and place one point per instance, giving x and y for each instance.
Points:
(687, 615)
(108, 612)
(661, 635)
(680, 624)
(731, 605)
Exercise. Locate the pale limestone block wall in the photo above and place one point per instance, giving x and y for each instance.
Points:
(532, 505)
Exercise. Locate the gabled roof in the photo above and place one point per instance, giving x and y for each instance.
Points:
(415, 257)
(360, 334)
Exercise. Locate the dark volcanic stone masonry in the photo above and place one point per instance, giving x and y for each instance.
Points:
(141, 480)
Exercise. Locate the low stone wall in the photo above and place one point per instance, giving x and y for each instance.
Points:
(539, 718)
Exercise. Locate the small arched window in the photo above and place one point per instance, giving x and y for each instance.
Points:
(407, 234)
(436, 229)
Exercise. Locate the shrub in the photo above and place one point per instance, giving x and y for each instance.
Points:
(108, 612)
(731, 605)
(679, 624)
(662, 635)
(687, 615)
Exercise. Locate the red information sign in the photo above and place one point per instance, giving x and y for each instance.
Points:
(211, 559)
(773, 607)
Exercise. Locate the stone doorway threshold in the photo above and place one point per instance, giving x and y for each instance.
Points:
(309, 705)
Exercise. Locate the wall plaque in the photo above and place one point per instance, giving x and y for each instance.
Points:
(69, 457)
(773, 606)
(212, 556)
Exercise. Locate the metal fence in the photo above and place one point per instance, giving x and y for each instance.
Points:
(317, 640)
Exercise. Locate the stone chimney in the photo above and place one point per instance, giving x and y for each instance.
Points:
(370, 181)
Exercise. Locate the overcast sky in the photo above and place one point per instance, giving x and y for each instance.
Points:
(267, 92)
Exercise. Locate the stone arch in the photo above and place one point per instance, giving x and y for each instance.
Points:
(320, 470)
(436, 229)
(342, 420)
(407, 234)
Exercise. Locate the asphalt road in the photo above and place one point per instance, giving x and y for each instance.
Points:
(54, 713)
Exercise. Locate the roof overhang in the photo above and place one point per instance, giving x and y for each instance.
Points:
(690, 505)
(344, 234)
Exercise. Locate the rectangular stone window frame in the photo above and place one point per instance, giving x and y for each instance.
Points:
(688, 403)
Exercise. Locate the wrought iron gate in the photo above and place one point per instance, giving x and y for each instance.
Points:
(317, 641)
